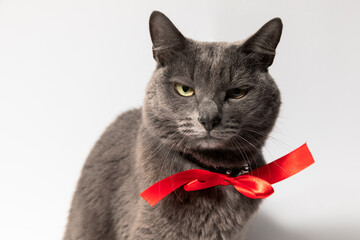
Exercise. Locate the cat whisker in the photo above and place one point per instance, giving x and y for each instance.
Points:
(271, 138)
(248, 143)
(243, 153)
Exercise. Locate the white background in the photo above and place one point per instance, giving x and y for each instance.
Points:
(68, 68)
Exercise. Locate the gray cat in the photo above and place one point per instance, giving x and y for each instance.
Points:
(208, 105)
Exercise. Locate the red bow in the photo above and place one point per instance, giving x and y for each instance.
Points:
(256, 184)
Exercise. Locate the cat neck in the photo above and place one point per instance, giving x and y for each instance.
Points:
(159, 160)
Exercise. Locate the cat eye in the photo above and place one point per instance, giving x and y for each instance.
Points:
(237, 93)
(183, 90)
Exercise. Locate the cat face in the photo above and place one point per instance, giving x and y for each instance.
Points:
(211, 95)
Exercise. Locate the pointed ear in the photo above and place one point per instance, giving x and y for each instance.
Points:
(261, 46)
(165, 37)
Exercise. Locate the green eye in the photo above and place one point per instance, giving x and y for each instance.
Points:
(184, 90)
(237, 93)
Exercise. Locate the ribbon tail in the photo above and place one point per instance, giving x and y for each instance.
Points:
(286, 166)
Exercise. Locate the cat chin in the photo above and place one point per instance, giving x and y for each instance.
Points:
(208, 143)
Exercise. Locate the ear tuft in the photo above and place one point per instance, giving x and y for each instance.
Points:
(166, 38)
(263, 43)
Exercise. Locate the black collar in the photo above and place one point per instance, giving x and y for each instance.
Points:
(233, 172)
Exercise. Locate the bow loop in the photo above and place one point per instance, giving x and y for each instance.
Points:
(250, 186)
(253, 187)
(204, 182)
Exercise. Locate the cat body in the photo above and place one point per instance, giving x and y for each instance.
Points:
(207, 105)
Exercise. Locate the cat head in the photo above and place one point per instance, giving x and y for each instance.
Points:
(211, 95)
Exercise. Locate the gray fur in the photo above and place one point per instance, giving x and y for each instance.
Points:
(148, 144)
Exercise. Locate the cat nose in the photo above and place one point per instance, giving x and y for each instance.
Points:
(209, 122)
(209, 114)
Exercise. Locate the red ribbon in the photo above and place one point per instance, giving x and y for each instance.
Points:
(256, 184)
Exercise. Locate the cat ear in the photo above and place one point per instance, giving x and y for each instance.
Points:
(261, 46)
(165, 37)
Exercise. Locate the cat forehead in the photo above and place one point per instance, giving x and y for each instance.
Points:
(214, 52)
(216, 60)
(207, 62)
